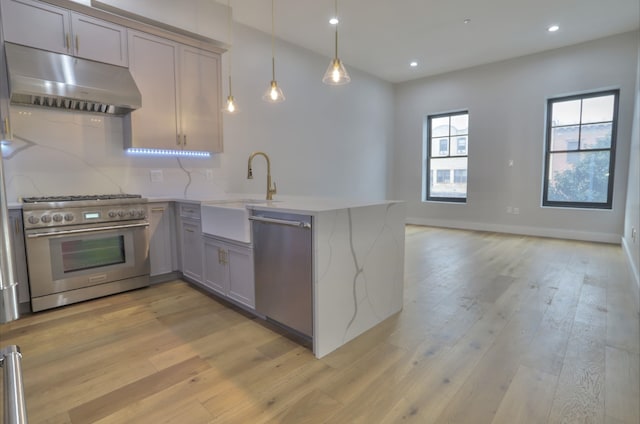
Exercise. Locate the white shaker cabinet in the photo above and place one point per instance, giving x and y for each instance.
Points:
(162, 246)
(228, 270)
(153, 64)
(48, 27)
(180, 87)
(99, 40)
(191, 244)
(201, 121)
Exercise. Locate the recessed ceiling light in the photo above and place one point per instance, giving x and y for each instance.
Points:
(413, 64)
(334, 21)
(466, 21)
(553, 28)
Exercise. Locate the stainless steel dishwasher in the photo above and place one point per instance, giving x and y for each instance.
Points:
(282, 252)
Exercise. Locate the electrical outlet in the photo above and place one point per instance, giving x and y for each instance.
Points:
(634, 234)
(157, 176)
(209, 174)
(509, 209)
(516, 211)
(510, 163)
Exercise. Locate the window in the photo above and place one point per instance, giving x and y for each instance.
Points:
(462, 145)
(460, 176)
(580, 150)
(443, 176)
(446, 150)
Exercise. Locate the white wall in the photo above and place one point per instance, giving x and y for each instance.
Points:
(632, 211)
(506, 102)
(323, 141)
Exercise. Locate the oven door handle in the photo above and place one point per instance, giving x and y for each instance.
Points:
(86, 230)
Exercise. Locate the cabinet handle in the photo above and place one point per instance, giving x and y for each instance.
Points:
(157, 209)
(77, 44)
(67, 41)
(16, 226)
(184, 138)
(6, 126)
(188, 230)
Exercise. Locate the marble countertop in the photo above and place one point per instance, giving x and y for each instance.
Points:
(285, 204)
(295, 204)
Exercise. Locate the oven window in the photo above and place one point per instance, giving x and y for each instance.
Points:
(78, 255)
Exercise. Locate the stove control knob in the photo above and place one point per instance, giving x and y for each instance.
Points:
(132, 213)
(45, 218)
(121, 213)
(57, 217)
(113, 214)
(68, 217)
(140, 213)
(33, 219)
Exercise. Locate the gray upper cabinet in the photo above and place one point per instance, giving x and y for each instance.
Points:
(180, 87)
(200, 103)
(55, 29)
(153, 64)
(99, 40)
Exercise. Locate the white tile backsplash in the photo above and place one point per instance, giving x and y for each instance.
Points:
(57, 152)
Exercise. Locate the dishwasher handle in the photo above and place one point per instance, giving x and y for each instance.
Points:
(299, 224)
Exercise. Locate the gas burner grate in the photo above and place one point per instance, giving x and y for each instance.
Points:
(73, 198)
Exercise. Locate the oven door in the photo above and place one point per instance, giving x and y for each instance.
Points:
(62, 259)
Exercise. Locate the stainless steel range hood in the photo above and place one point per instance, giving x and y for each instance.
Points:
(42, 78)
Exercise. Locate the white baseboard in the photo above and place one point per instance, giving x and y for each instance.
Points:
(514, 229)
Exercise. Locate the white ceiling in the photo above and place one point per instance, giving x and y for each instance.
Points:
(381, 37)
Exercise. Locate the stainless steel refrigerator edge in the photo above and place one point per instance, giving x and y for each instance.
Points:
(283, 252)
(8, 284)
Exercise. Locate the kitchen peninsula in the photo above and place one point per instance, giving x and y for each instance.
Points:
(357, 261)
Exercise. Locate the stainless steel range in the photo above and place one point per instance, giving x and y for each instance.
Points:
(83, 247)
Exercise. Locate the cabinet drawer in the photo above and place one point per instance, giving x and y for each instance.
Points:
(190, 211)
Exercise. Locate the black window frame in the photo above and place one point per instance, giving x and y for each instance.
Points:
(450, 154)
(611, 149)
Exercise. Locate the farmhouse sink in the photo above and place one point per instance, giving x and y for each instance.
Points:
(229, 218)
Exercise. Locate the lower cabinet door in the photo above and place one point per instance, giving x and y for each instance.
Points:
(241, 281)
(216, 274)
(228, 270)
(192, 250)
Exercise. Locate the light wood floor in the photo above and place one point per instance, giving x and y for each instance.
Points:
(495, 329)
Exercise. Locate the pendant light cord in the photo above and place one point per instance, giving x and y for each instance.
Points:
(229, 20)
(273, 42)
(337, 23)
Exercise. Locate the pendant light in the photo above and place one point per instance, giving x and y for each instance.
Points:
(336, 72)
(231, 106)
(274, 92)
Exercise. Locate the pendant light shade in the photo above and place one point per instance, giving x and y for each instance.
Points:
(336, 73)
(274, 92)
(231, 106)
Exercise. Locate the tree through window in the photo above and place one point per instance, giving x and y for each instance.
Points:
(580, 150)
